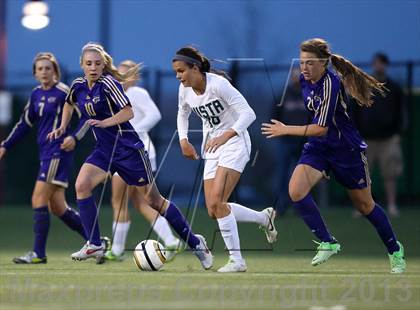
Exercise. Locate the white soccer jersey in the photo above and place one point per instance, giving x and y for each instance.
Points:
(221, 107)
(146, 116)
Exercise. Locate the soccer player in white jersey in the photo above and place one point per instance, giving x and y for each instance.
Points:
(146, 116)
(226, 146)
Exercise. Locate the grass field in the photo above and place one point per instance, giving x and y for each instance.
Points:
(278, 278)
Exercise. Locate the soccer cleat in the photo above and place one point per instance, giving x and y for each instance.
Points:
(109, 255)
(172, 250)
(397, 260)
(106, 244)
(203, 253)
(88, 251)
(325, 251)
(270, 230)
(30, 258)
(233, 266)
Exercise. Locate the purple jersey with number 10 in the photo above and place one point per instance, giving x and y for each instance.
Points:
(105, 99)
(118, 148)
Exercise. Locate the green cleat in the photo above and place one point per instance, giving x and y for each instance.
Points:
(325, 251)
(397, 260)
(112, 257)
(30, 258)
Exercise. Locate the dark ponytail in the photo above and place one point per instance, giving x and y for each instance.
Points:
(193, 57)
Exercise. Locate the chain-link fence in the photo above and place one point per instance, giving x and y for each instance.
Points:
(262, 85)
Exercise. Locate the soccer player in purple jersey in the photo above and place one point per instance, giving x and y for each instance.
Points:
(102, 101)
(334, 144)
(45, 107)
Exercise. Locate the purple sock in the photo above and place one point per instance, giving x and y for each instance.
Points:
(382, 225)
(72, 219)
(180, 225)
(87, 207)
(309, 213)
(41, 227)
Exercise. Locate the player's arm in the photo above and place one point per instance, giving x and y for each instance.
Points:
(115, 93)
(69, 143)
(278, 129)
(68, 110)
(123, 115)
(320, 123)
(237, 102)
(144, 105)
(184, 111)
(22, 127)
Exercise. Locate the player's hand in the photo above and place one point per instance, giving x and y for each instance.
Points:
(188, 150)
(97, 123)
(274, 129)
(55, 134)
(213, 144)
(69, 143)
(2, 152)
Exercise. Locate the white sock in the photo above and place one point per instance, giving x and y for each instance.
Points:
(120, 231)
(164, 232)
(229, 231)
(244, 214)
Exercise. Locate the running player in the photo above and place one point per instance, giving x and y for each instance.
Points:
(226, 146)
(102, 101)
(334, 144)
(45, 107)
(146, 115)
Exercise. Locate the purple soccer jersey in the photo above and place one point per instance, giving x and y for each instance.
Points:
(118, 148)
(327, 101)
(105, 99)
(45, 108)
(341, 149)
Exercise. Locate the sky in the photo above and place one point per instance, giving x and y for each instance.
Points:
(152, 31)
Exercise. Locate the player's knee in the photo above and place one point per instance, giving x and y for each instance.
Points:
(365, 206)
(295, 194)
(157, 202)
(39, 199)
(117, 202)
(212, 207)
(57, 211)
(83, 187)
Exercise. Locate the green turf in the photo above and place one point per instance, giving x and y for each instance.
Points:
(357, 278)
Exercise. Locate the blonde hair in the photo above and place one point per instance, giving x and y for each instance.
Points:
(133, 74)
(132, 64)
(50, 57)
(357, 83)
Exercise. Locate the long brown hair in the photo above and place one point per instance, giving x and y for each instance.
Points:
(133, 74)
(357, 83)
(50, 57)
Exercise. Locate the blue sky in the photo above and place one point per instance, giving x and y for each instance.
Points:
(151, 31)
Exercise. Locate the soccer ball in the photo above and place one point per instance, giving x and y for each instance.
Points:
(149, 255)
